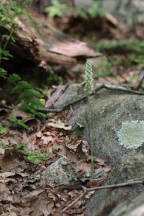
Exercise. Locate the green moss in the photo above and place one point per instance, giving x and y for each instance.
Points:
(131, 135)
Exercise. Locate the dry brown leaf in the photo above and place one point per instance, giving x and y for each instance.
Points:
(47, 140)
(39, 134)
(32, 195)
(59, 124)
(5, 194)
(83, 166)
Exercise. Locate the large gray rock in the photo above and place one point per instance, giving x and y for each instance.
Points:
(104, 201)
(116, 117)
(131, 207)
(118, 135)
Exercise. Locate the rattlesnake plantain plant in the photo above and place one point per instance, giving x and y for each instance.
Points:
(89, 89)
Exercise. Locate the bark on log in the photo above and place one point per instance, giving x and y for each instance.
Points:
(39, 40)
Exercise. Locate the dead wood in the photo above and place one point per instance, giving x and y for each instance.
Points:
(38, 40)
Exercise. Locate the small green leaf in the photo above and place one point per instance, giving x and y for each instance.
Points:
(9, 148)
(1, 144)
(3, 130)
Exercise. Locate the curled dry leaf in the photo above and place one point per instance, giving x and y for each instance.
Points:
(59, 124)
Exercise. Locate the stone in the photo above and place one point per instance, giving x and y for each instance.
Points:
(131, 207)
(56, 173)
(110, 110)
(116, 117)
(105, 201)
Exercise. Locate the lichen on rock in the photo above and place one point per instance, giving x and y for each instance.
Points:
(131, 134)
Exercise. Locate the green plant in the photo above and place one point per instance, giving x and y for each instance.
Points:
(136, 60)
(36, 157)
(8, 13)
(89, 88)
(129, 46)
(28, 96)
(96, 10)
(59, 9)
(103, 68)
(3, 146)
(17, 122)
(3, 130)
(83, 180)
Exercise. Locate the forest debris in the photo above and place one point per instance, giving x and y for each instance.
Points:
(50, 103)
(79, 27)
(59, 124)
(86, 190)
(111, 19)
(97, 89)
(45, 43)
(73, 49)
(32, 195)
(140, 81)
(5, 193)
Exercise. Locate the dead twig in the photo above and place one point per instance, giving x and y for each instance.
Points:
(141, 78)
(118, 88)
(86, 190)
(129, 183)
(103, 86)
(53, 99)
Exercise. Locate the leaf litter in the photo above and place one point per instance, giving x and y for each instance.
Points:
(21, 191)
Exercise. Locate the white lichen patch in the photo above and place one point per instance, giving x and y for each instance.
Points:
(131, 135)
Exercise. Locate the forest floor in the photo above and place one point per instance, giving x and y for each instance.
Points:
(26, 153)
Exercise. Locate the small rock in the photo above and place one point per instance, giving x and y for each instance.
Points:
(57, 172)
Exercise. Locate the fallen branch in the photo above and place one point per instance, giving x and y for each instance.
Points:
(103, 86)
(86, 190)
(139, 84)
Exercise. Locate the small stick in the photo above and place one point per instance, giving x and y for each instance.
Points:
(53, 99)
(103, 86)
(139, 84)
(86, 190)
(119, 88)
(129, 183)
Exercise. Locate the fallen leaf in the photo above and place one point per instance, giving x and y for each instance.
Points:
(59, 124)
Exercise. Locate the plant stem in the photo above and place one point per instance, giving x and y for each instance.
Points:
(91, 134)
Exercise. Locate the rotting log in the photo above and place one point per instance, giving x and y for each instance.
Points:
(38, 40)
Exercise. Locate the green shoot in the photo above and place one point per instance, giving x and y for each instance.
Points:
(3, 130)
(35, 157)
(18, 122)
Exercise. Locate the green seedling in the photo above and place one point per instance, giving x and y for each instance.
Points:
(3, 146)
(17, 122)
(3, 130)
(35, 157)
